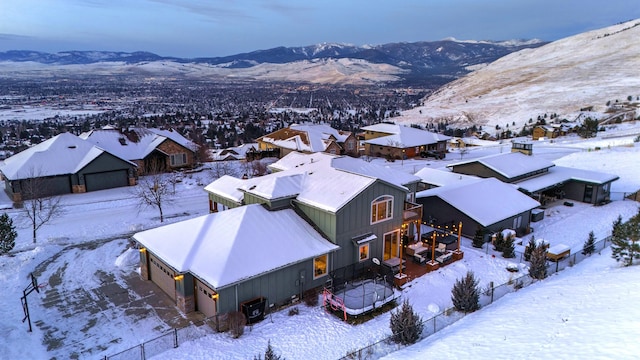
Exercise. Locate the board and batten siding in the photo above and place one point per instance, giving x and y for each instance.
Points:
(277, 287)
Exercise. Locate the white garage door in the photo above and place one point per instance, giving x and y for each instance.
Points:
(162, 276)
(204, 303)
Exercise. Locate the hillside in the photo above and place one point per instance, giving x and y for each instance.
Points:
(562, 77)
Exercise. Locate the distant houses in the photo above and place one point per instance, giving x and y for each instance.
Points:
(309, 138)
(64, 164)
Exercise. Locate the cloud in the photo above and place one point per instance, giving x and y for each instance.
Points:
(12, 37)
(223, 11)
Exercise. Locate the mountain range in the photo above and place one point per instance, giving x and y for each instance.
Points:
(419, 63)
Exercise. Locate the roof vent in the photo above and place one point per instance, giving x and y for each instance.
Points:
(71, 146)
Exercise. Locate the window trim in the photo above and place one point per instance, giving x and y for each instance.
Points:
(317, 275)
(383, 199)
(368, 252)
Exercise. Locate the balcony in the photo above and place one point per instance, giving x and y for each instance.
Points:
(412, 212)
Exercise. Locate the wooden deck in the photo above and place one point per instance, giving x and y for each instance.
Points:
(414, 270)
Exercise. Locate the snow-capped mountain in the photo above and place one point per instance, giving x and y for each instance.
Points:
(588, 71)
(425, 63)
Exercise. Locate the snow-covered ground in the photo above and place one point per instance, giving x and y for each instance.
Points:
(584, 312)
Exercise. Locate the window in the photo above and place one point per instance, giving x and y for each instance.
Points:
(517, 222)
(391, 245)
(320, 266)
(351, 145)
(382, 209)
(178, 159)
(363, 251)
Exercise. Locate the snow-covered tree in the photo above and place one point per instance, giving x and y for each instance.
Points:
(406, 325)
(508, 248)
(465, 294)
(478, 239)
(8, 234)
(589, 245)
(538, 262)
(269, 354)
(625, 240)
(498, 243)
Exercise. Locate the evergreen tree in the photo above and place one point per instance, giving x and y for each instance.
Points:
(509, 250)
(406, 325)
(269, 354)
(538, 262)
(478, 239)
(625, 240)
(465, 294)
(8, 234)
(589, 246)
(498, 243)
(529, 249)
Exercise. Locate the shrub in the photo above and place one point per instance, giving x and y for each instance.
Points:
(8, 234)
(465, 294)
(498, 244)
(294, 311)
(237, 321)
(478, 239)
(406, 325)
(311, 298)
(538, 260)
(508, 248)
(589, 245)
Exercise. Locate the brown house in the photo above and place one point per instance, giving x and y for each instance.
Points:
(395, 141)
(152, 150)
(310, 138)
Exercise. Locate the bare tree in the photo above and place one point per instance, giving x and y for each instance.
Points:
(221, 168)
(155, 189)
(39, 206)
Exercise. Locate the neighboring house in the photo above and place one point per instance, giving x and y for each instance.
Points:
(234, 153)
(545, 131)
(486, 204)
(153, 150)
(431, 178)
(310, 138)
(340, 219)
(540, 178)
(399, 142)
(64, 164)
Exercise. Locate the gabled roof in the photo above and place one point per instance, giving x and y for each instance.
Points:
(403, 136)
(510, 165)
(147, 141)
(236, 244)
(63, 154)
(233, 153)
(359, 166)
(324, 183)
(559, 174)
(438, 177)
(305, 137)
(486, 201)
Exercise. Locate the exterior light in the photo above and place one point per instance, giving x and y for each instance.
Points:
(214, 296)
(143, 250)
(178, 277)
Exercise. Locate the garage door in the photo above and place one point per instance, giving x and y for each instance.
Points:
(162, 276)
(106, 180)
(204, 303)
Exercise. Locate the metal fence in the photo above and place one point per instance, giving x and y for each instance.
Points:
(488, 295)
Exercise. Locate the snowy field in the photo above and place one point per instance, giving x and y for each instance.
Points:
(583, 312)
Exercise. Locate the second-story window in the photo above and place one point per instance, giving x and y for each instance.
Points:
(382, 209)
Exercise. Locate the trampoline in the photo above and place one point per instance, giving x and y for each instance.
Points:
(360, 297)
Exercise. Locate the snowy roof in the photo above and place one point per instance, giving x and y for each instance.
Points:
(305, 137)
(328, 183)
(233, 153)
(511, 164)
(237, 244)
(61, 155)
(359, 166)
(403, 136)
(561, 174)
(487, 201)
(440, 177)
(148, 140)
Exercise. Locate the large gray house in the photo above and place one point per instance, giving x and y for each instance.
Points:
(280, 235)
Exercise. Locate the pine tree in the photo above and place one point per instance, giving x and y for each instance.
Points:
(478, 239)
(625, 240)
(529, 249)
(509, 249)
(498, 244)
(8, 234)
(269, 354)
(406, 325)
(538, 262)
(465, 294)
(589, 246)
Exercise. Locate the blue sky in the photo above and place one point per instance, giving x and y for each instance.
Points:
(207, 28)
